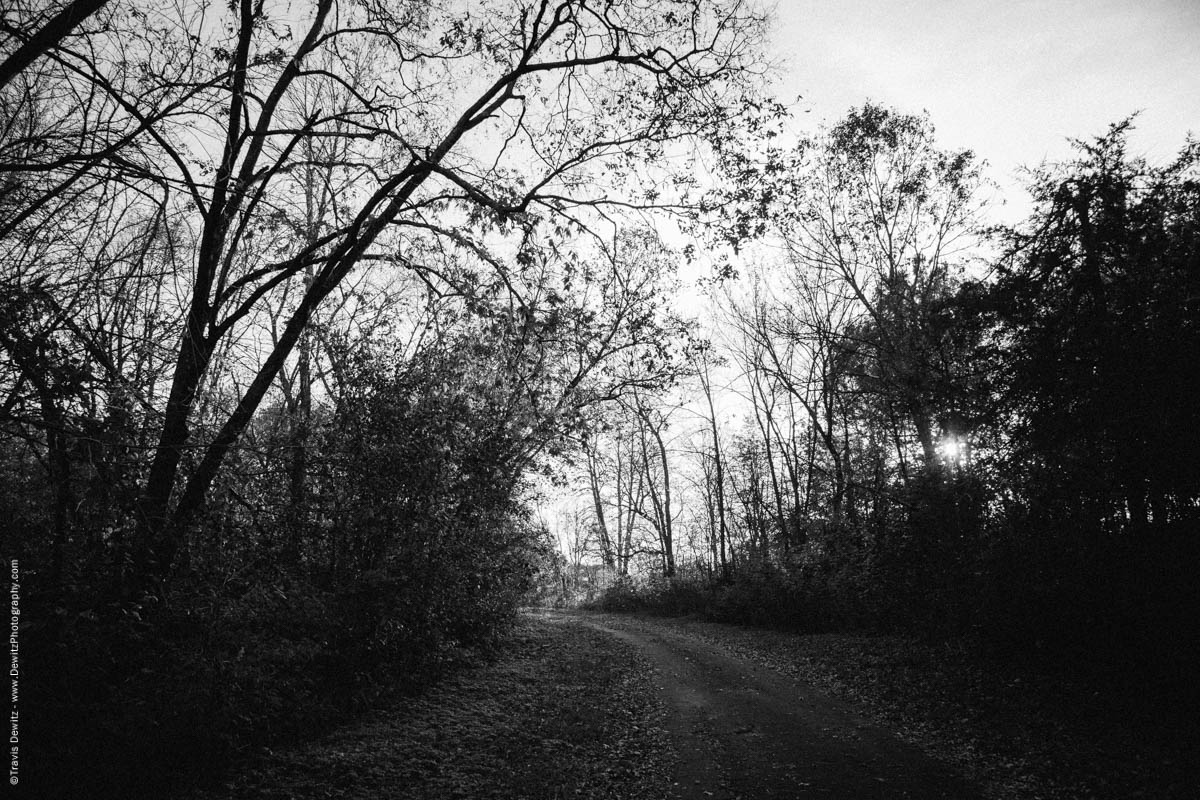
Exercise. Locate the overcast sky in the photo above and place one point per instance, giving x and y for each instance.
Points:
(1010, 80)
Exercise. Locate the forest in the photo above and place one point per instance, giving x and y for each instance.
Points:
(333, 333)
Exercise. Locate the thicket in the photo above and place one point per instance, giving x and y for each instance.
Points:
(408, 546)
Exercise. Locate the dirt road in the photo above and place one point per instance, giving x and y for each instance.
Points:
(745, 731)
(598, 707)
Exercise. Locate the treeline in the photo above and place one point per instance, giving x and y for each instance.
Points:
(293, 301)
(944, 428)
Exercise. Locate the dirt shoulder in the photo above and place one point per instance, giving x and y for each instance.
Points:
(564, 711)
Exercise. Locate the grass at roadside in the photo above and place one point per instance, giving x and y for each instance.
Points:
(1020, 733)
(561, 712)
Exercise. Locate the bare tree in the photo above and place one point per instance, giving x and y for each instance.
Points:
(884, 221)
(721, 529)
(651, 423)
(535, 109)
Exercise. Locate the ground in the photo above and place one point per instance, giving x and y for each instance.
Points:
(562, 711)
(743, 730)
(584, 705)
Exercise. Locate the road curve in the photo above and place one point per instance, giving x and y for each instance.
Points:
(744, 731)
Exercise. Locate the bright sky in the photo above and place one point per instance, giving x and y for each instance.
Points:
(1010, 79)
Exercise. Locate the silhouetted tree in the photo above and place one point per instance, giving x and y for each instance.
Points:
(1098, 308)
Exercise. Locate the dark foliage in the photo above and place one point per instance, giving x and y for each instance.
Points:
(411, 547)
(1097, 335)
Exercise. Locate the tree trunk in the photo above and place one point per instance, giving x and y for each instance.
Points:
(719, 474)
(606, 548)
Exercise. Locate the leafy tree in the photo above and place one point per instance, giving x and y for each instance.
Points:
(1097, 308)
(886, 216)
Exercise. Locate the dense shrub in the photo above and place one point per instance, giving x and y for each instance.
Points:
(406, 547)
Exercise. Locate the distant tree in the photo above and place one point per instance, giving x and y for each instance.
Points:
(798, 339)
(885, 219)
(657, 508)
(716, 489)
(595, 477)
